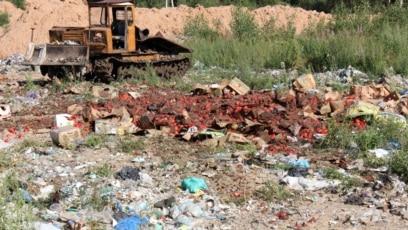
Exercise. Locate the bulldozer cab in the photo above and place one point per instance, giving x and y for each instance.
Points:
(122, 23)
(114, 19)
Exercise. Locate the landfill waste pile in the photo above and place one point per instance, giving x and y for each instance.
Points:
(220, 157)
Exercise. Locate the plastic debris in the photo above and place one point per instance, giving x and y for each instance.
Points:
(165, 203)
(131, 223)
(300, 183)
(380, 153)
(193, 184)
(129, 172)
(298, 171)
(301, 162)
(45, 226)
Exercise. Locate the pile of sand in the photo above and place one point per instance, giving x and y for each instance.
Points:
(41, 15)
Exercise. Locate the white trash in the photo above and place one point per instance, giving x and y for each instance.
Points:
(301, 183)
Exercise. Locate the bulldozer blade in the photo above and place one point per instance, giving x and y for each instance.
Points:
(56, 55)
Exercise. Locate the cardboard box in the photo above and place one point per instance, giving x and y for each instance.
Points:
(238, 86)
(66, 136)
(304, 83)
(115, 126)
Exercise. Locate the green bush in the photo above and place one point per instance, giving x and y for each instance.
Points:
(198, 27)
(399, 165)
(4, 18)
(243, 25)
(19, 3)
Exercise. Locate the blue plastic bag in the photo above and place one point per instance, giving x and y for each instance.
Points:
(131, 223)
(193, 184)
(300, 162)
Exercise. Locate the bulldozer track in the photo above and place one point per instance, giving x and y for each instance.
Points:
(167, 67)
(110, 69)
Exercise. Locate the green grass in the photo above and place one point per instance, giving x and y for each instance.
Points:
(376, 134)
(95, 141)
(30, 84)
(104, 170)
(372, 47)
(27, 143)
(399, 165)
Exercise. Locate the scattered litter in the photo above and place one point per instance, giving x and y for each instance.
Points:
(380, 153)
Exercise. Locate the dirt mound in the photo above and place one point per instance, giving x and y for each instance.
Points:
(43, 14)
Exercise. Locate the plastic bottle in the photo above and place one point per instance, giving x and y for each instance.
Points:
(183, 219)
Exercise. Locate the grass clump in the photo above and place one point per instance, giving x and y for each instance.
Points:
(129, 144)
(27, 143)
(104, 170)
(94, 141)
(30, 84)
(146, 76)
(347, 181)
(399, 165)
(15, 211)
(274, 192)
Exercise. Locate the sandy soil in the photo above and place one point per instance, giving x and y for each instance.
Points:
(41, 15)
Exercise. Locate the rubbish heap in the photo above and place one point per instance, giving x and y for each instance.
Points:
(148, 192)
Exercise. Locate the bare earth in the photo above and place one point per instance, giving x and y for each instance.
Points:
(41, 15)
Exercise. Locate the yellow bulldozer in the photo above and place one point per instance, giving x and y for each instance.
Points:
(112, 47)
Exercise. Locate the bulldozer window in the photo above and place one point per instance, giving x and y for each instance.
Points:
(119, 15)
(98, 16)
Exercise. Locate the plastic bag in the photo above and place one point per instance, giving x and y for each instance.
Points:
(193, 184)
(131, 223)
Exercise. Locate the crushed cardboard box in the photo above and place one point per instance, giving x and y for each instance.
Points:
(372, 91)
(115, 126)
(65, 136)
(304, 83)
(219, 88)
(238, 86)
